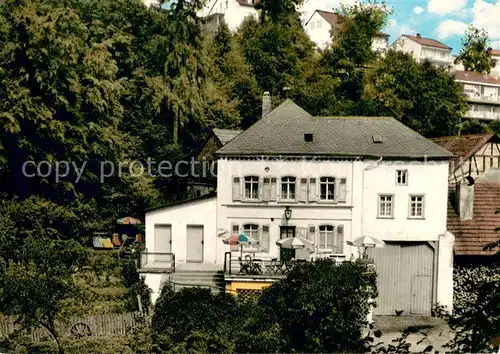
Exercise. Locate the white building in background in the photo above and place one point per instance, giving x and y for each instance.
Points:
(321, 23)
(233, 12)
(482, 95)
(327, 179)
(425, 49)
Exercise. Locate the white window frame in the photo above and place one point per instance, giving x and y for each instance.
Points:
(252, 230)
(404, 175)
(331, 181)
(380, 201)
(253, 184)
(291, 183)
(416, 202)
(324, 233)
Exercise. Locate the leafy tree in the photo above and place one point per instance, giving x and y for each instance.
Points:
(279, 52)
(421, 96)
(35, 286)
(275, 10)
(475, 53)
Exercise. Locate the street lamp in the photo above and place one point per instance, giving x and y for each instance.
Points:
(288, 213)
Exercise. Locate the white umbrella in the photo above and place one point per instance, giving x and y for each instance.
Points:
(294, 243)
(366, 241)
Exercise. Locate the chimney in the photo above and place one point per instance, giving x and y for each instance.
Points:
(465, 200)
(418, 35)
(266, 103)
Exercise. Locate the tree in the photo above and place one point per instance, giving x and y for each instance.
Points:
(421, 96)
(275, 10)
(475, 53)
(35, 286)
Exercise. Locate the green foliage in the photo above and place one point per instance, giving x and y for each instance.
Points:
(475, 53)
(35, 286)
(421, 96)
(476, 313)
(319, 307)
(276, 10)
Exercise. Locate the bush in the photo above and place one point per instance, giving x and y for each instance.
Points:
(322, 307)
(476, 314)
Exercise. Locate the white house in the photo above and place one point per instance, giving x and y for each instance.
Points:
(321, 23)
(482, 95)
(339, 178)
(425, 49)
(233, 12)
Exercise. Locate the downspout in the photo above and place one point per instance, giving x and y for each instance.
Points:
(369, 167)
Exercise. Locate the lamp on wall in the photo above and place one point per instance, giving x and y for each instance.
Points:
(288, 213)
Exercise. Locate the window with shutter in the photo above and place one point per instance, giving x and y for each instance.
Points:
(311, 234)
(273, 189)
(236, 189)
(339, 247)
(266, 189)
(264, 239)
(343, 190)
(303, 190)
(288, 188)
(235, 230)
(253, 232)
(326, 236)
(312, 191)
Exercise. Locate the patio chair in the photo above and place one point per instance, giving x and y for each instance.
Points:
(244, 266)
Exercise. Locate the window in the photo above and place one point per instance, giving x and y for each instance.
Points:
(327, 188)
(313, 25)
(402, 177)
(416, 206)
(288, 188)
(251, 231)
(252, 188)
(318, 24)
(326, 237)
(385, 206)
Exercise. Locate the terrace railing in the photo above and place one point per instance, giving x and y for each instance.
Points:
(157, 261)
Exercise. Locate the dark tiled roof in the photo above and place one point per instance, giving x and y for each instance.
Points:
(471, 76)
(335, 20)
(226, 135)
(472, 235)
(245, 3)
(180, 202)
(495, 52)
(463, 147)
(281, 132)
(429, 42)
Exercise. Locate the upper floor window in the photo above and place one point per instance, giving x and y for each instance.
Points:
(385, 206)
(313, 25)
(288, 188)
(318, 24)
(402, 177)
(416, 209)
(252, 188)
(327, 188)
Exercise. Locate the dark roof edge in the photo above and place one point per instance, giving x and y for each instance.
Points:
(184, 201)
(336, 156)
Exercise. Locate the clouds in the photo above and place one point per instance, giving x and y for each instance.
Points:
(486, 15)
(450, 28)
(418, 10)
(444, 7)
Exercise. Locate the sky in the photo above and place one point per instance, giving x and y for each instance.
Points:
(444, 20)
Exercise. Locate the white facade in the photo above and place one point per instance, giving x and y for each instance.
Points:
(355, 212)
(439, 56)
(319, 31)
(234, 12)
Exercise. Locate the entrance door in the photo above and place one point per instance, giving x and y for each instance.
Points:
(161, 255)
(163, 239)
(286, 232)
(194, 243)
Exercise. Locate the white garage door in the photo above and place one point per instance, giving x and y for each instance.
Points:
(404, 278)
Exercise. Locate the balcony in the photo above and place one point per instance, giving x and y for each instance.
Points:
(471, 97)
(482, 115)
(156, 262)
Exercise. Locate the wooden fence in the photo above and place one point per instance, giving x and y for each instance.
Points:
(106, 325)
